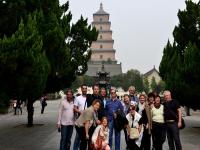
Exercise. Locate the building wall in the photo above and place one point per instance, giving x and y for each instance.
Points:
(156, 75)
(100, 18)
(102, 27)
(100, 56)
(105, 36)
(99, 45)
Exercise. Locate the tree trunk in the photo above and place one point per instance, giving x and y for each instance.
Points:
(30, 110)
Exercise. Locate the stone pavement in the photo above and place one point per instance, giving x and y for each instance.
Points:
(44, 136)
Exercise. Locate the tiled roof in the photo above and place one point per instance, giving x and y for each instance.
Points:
(101, 11)
(151, 71)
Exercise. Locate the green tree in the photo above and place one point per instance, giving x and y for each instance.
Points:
(180, 63)
(132, 77)
(88, 80)
(160, 87)
(24, 67)
(153, 84)
(64, 45)
(146, 85)
(117, 80)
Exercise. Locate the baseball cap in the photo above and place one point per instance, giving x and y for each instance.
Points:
(133, 103)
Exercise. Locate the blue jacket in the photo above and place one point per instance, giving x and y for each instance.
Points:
(111, 107)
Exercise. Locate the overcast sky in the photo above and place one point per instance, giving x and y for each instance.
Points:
(140, 28)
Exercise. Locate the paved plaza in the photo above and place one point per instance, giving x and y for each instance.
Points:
(14, 135)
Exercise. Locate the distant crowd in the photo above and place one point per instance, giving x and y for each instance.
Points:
(144, 119)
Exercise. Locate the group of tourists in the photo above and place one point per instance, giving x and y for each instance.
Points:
(96, 116)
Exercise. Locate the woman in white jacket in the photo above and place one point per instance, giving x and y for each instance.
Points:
(102, 131)
(134, 122)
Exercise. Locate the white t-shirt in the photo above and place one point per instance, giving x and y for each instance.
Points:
(80, 101)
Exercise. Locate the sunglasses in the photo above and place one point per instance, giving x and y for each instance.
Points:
(113, 92)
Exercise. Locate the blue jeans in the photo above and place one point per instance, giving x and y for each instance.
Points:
(76, 142)
(66, 134)
(117, 136)
(173, 136)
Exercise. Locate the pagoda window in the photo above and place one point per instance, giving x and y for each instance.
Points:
(100, 37)
(101, 28)
(101, 19)
(101, 56)
(101, 46)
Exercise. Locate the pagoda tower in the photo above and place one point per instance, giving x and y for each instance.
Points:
(102, 49)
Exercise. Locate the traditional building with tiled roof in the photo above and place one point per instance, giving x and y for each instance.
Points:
(152, 73)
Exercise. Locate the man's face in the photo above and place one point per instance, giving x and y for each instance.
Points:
(167, 96)
(131, 91)
(84, 90)
(113, 94)
(96, 90)
(69, 96)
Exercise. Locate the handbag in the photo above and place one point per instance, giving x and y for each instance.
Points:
(134, 133)
(182, 123)
(99, 142)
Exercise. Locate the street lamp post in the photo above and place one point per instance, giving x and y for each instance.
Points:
(103, 79)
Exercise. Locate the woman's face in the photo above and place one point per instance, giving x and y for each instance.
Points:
(103, 92)
(142, 99)
(151, 100)
(126, 99)
(157, 100)
(132, 110)
(104, 122)
(96, 106)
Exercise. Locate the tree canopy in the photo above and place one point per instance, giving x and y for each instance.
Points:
(40, 49)
(132, 77)
(180, 64)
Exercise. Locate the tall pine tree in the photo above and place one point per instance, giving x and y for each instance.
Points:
(180, 65)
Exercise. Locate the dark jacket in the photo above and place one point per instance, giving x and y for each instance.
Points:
(120, 121)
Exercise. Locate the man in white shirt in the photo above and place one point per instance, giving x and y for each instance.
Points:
(80, 104)
(66, 120)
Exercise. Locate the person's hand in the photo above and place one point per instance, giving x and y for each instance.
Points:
(98, 122)
(147, 126)
(87, 136)
(58, 125)
(128, 132)
(95, 146)
(115, 115)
